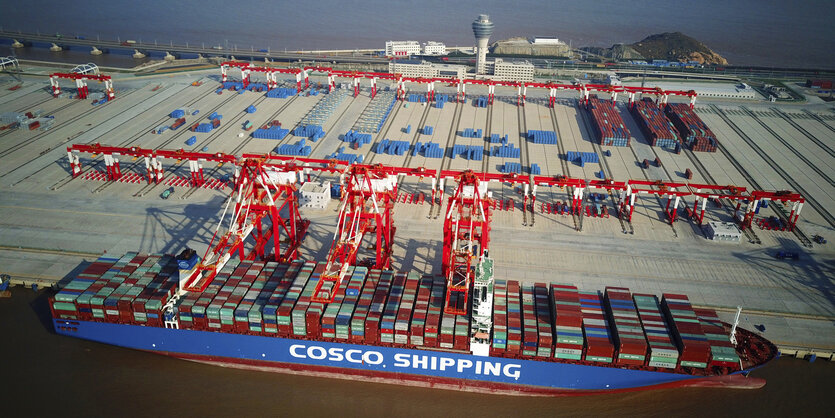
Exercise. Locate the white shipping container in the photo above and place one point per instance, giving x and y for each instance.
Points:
(662, 365)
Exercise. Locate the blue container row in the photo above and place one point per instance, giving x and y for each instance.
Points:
(204, 128)
(440, 99)
(215, 115)
(416, 98)
(392, 147)
(250, 109)
(178, 113)
(496, 139)
(281, 93)
(535, 170)
(356, 139)
(429, 150)
(314, 132)
(191, 141)
(469, 152)
(480, 102)
(582, 157)
(342, 156)
(512, 168)
(273, 132)
(471, 133)
(543, 137)
(299, 149)
(506, 151)
(408, 129)
(427, 130)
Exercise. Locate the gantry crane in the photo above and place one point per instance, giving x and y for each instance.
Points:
(466, 237)
(368, 197)
(264, 207)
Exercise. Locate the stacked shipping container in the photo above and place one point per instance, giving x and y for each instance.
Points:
(629, 335)
(694, 350)
(655, 126)
(599, 345)
(608, 124)
(662, 351)
(722, 352)
(568, 321)
(692, 129)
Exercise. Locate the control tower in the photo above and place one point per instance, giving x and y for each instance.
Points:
(482, 29)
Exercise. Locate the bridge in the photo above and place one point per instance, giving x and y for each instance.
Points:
(188, 49)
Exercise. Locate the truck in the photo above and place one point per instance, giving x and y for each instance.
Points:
(782, 255)
(247, 125)
(166, 193)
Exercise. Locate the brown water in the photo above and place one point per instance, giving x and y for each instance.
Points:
(44, 373)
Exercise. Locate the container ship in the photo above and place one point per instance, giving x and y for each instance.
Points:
(538, 339)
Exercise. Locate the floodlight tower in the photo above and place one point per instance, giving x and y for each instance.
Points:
(482, 29)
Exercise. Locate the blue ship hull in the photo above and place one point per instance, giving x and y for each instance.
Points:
(387, 364)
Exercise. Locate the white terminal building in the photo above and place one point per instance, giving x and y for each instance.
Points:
(434, 48)
(418, 68)
(510, 71)
(409, 48)
(402, 48)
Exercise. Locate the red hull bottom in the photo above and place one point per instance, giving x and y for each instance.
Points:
(735, 381)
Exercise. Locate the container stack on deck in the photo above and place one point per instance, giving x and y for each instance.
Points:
(692, 129)
(514, 318)
(599, 345)
(662, 350)
(389, 317)
(608, 125)
(132, 289)
(404, 310)
(629, 335)
(530, 337)
(545, 321)
(568, 321)
(433, 314)
(378, 305)
(364, 302)
(417, 325)
(656, 127)
(499, 344)
(694, 350)
(722, 352)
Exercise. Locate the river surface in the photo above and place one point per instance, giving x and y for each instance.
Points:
(44, 374)
(747, 32)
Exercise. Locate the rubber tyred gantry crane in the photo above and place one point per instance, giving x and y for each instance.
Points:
(466, 237)
(265, 206)
(366, 207)
(81, 83)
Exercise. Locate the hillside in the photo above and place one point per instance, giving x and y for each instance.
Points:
(676, 46)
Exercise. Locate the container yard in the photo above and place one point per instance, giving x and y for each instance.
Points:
(592, 255)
